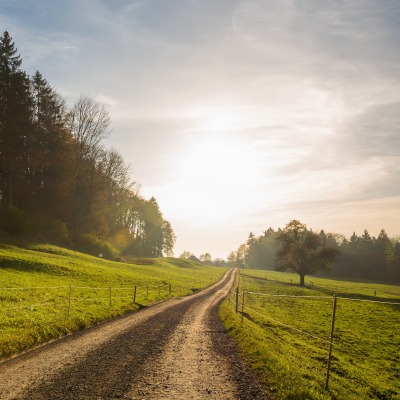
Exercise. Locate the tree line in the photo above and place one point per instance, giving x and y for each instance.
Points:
(330, 254)
(57, 180)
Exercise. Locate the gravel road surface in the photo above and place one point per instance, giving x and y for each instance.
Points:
(175, 350)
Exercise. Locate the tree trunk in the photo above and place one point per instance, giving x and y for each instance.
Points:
(10, 172)
(302, 280)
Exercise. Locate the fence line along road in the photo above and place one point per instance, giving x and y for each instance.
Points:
(72, 289)
(334, 300)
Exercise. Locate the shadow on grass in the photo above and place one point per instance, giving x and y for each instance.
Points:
(331, 292)
(355, 296)
(30, 266)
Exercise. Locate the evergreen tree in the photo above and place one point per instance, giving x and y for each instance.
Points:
(261, 251)
(168, 239)
(15, 125)
(252, 250)
(51, 151)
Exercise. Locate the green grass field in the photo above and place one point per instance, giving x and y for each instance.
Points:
(48, 291)
(287, 338)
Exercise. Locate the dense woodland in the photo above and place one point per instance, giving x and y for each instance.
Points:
(360, 257)
(57, 181)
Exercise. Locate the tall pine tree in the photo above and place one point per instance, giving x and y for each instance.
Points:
(15, 125)
(51, 151)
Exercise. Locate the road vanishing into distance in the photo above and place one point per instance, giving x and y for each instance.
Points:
(177, 350)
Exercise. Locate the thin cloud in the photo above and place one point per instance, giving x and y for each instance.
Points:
(375, 131)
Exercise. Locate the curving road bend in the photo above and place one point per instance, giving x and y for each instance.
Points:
(175, 350)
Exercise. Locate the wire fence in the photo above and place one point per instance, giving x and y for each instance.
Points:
(30, 315)
(18, 298)
(242, 302)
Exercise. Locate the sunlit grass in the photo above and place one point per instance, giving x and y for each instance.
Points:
(47, 291)
(286, 338)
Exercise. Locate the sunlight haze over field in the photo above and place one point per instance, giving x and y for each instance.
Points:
(236, 115)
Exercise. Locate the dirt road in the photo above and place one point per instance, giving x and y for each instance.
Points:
(174, 350)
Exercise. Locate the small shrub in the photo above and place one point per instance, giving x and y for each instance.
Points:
(48, 229)
(95, 246)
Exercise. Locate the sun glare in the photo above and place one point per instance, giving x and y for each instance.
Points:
(215, 174)
(219, 123)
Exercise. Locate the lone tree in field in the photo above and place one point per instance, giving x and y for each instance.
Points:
(303, 250)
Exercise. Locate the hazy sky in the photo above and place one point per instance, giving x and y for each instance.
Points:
(236, 115)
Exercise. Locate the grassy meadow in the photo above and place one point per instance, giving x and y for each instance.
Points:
(286, 337)
(47, 291)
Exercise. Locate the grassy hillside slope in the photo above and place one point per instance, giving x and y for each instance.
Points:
(47, 291)
(286, 329)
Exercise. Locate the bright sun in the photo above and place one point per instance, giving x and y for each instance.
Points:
(220, 122)
(216, 171)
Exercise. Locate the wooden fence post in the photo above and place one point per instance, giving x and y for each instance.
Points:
(243, 305)
(328, 369)
(237, 300)
(110, 296)
(134, 296)
(170, 289)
